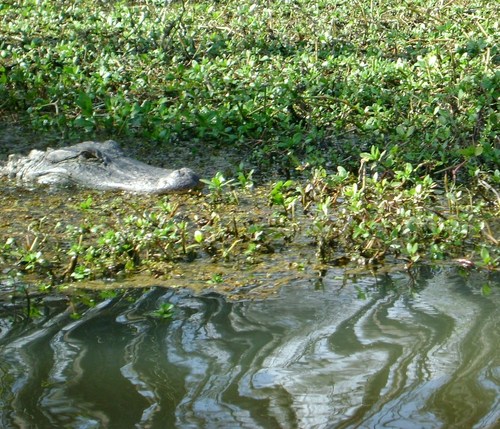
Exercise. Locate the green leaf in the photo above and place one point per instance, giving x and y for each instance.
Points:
(85, 103)
(486, 290)
(412, 248)
(485, 255)
(81, 122)
(198, 236)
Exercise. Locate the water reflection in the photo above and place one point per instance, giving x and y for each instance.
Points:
(419, 353)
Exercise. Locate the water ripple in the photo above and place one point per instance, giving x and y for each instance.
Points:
(419, 354)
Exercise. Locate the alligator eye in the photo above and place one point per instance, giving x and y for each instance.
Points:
(93, 155)
(89, 154)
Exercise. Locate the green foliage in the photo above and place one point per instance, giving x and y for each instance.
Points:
(165, 311)
(301, 82)
(281, 195)
(385, 212)
(397, 213)
(87, 204)
(217, 278)
(216, 186)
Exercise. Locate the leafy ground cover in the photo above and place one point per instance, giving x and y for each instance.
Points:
(295, 82)
(233, 228)
(374, 115)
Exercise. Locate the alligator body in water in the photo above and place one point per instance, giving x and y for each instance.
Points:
(97, 165)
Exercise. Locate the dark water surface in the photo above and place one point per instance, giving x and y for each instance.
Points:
(396, 351)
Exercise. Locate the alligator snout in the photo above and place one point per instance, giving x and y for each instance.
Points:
(181, 180)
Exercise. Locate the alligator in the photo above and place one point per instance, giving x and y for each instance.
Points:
(97, 165)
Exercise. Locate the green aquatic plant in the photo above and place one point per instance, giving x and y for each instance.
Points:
(400, 213)
(165, 311)
(277, 80)
(216, 278)
(383, 213)
(245, 179)
(284, 196)
(87, 204)
(217, 186)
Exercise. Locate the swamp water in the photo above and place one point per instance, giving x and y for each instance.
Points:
(396, 351)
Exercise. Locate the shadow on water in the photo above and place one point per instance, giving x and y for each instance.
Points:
(388, 352)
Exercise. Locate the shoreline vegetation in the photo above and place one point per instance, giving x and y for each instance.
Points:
(367, 132)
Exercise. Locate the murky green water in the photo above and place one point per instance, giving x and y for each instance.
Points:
(388, 352)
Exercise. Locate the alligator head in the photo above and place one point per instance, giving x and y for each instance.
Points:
(101, 166)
